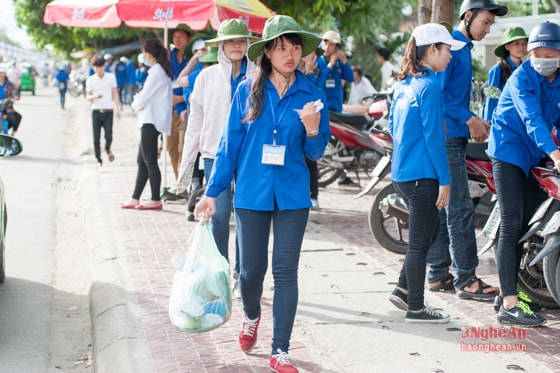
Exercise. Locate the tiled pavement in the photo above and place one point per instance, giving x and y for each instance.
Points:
(148, 239)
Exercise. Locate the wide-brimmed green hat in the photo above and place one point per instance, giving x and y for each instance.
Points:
(280, 25)
(510, 35)
(230, 29)
(210, 57)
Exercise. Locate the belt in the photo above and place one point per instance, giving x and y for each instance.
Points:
(103, 110)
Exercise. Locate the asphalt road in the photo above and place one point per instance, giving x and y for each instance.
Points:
(44, 319)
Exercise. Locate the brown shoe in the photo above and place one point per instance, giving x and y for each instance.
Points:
(110, 155)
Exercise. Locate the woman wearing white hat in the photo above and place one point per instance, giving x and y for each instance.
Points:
(419, 168)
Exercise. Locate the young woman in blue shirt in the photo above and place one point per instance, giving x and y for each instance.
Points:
(419, 166)
(520, 138)
(276, 119)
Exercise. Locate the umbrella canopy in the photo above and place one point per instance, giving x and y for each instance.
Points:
(155, 13)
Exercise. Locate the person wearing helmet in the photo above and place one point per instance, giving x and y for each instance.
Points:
(520, 137)
(334, 64)
(477, 16)
(510, 53)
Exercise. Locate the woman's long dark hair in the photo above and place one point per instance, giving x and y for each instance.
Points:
(257, 88)
(411, 64)
(156, 49)
(505, 68)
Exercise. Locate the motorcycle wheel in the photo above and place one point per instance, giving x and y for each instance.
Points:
(329, 170)
(389, 231)
(549, 266)
(533, 282)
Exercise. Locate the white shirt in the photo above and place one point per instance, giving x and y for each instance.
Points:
(103, 86)
(154, 103)
(360, 90)
(386, 72)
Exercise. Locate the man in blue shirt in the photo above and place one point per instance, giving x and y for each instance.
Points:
(335, 66)
(181, 36)
(477, 16)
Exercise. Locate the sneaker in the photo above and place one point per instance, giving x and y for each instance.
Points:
(520, 315)
(534, 306)
(248, 334)
(346, 181)
(428, 315)
(99, 162)
(280, 363)
(399, 299)
(314, 203)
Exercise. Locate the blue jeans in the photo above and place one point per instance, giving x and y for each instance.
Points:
(220, 220)
(518, 197)
(460, 223)
(421, 196)
(439, 258)
(253, 231)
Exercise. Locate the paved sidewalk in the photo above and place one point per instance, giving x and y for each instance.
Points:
(345, 322)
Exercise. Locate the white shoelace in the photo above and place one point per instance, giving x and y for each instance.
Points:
(249, 327)
(282, 358)
(432, 312)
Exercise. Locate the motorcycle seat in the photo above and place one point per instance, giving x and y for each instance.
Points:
(477, 151)
(355, 120)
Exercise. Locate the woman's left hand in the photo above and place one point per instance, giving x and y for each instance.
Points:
(443, 196)
(310, 119)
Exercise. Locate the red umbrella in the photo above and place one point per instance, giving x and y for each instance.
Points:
(155, 13)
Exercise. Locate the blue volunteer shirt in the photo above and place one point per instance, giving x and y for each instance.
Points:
(494, 80)
(416, 126)
(333, 88)
(456, 82)
(528, 109)
(176, 69)
(259, 186)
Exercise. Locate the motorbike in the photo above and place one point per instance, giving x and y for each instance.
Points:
(388, 216)
(77, 85)
(9, 146)
(353, 146)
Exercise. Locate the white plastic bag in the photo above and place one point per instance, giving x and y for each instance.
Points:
(200, 297)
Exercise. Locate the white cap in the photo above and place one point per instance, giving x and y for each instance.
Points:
(332, 36)
(3, 68)
(198, 45)
(432, 33)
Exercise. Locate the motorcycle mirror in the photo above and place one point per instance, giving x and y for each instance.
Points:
(9, 146)
(492, 92)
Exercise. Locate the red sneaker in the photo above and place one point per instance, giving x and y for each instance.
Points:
(280, 363)
(248, 333)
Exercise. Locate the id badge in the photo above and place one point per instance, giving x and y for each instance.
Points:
(329, 83)
(273, 154)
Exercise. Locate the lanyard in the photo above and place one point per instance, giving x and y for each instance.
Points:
(276, 123)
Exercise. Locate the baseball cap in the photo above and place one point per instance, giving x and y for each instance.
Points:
(198, 45)
(3, 69)
(432, 33)
(332, 36)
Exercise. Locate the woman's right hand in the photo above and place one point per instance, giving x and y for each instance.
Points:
(205, 208)
(443, 196)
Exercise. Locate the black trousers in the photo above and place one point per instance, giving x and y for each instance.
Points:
(147, 159)
(102, 120)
